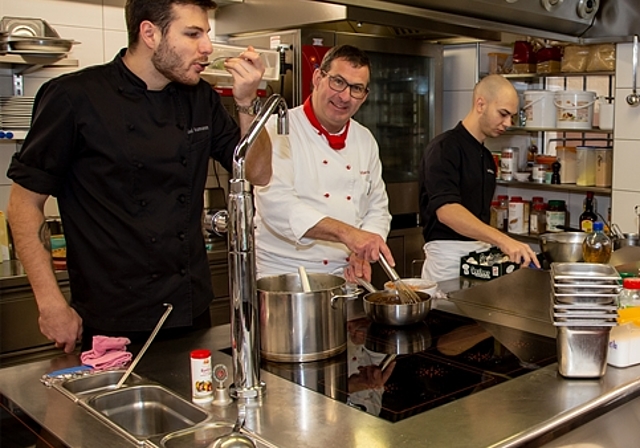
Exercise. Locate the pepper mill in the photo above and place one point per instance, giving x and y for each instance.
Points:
(555, 177)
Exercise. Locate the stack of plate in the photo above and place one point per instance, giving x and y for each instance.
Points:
(584, 310)
(15, 112)
(32, 38)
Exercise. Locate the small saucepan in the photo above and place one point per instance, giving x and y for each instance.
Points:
(385, 307)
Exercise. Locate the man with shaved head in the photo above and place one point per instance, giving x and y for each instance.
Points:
(457, 183)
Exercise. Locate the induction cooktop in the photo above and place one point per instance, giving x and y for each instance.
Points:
(435, 362)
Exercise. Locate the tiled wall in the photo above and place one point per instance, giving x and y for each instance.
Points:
(626, 162)
(98, 25)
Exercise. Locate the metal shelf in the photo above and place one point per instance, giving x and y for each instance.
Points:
(526, 130)
(29, 63)
(566, 188)
(555, 75)
(16, 135)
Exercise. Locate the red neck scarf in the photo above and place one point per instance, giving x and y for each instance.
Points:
(336, 141)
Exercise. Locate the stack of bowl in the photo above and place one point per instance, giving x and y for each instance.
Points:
(584, 310)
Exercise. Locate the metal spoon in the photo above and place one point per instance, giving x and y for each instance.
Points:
(633, 99)
(235, 439)
(146, 345)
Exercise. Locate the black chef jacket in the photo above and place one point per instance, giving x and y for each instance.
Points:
(455, 169)
(128, 167)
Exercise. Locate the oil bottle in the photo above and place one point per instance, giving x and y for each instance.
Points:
(596, 247)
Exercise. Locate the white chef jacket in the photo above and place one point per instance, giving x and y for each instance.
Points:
(311, 181)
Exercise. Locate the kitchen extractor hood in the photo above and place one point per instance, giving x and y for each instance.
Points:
(439, 20)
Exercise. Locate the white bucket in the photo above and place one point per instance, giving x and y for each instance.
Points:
(575, 109)
(539, 110)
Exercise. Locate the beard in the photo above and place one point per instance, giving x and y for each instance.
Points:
(169, 64)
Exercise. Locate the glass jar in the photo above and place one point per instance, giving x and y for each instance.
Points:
(538, 219)
(556, 215)
(493, 219)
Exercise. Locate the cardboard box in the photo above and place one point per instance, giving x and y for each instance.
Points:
(475, 265)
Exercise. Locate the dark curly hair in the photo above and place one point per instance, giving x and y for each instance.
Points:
(158, 12)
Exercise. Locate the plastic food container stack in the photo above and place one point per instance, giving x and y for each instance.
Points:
(584, 310)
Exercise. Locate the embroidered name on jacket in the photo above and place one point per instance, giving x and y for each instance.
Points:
(366, 172)
(198, 129)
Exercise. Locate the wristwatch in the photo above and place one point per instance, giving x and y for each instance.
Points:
(252, 110)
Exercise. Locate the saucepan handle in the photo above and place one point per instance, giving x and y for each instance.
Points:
(352, 295)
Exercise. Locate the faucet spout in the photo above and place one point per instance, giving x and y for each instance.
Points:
(245, 326)
(274, 102)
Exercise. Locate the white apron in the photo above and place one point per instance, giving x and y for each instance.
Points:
(442, 258)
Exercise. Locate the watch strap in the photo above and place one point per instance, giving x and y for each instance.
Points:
(253, 109)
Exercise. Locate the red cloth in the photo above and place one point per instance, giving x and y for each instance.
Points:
(336, 141)
(107, 352)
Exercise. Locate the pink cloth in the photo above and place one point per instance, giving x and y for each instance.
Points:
(107, 352)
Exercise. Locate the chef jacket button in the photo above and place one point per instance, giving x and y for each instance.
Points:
(325, 262)
(326, 195)
(348, 198)
(347, 259)
(180, 126)
(348, 167)
(131, 127)
(153, 239)
(154, 276)
(326, 162)
(184, 161)
(139, 165)
(183, 271)
(181, 236)
(182, 199)
(143, 203)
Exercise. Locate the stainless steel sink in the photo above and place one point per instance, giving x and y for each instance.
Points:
(95, 383)
(146, 410)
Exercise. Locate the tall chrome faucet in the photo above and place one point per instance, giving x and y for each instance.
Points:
(238, 223)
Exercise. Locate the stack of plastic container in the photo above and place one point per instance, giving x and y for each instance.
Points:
(584, 310)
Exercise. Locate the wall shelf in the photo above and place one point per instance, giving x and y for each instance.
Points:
(565, 188)
(24, 64)
(526, 130)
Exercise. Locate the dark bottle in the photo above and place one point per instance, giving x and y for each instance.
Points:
(555, 177)
(588, 216)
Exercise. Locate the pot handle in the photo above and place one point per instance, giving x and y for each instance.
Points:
(352, 295)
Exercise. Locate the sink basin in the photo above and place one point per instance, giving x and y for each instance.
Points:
(204, 435)
(146, 410)
(96, 382)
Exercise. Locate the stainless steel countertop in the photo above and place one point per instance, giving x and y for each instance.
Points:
(505, 415)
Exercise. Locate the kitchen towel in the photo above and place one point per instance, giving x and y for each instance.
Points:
(107, 352)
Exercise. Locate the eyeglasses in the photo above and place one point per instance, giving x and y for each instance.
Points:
(339, 84)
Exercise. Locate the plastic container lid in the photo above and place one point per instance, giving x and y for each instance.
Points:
(631, 283)
(201, 353)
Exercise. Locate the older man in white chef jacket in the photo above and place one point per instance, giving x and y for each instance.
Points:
(326, 207)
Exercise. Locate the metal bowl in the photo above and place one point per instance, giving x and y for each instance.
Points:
(380, 308)
(562, 246)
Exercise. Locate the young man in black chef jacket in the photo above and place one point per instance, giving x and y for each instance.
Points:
(457, 179)
(124, 147)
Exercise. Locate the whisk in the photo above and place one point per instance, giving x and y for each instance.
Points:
(405, 293)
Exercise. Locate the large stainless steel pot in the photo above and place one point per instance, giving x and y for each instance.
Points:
(298, 327)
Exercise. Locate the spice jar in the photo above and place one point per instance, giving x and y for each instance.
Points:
(538, 219)
(508, 163)
(556, 215)
(517, 216)
(201, 376)
(503, 212)
(493, 219)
